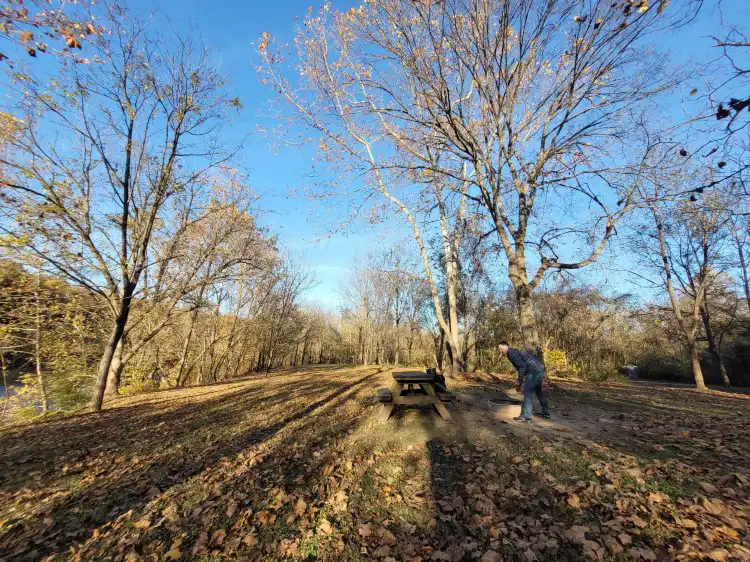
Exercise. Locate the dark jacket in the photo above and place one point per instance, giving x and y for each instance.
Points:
(524, 363)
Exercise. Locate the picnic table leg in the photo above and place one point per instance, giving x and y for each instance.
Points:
(387, 410)
(441, 409)
(385, 413)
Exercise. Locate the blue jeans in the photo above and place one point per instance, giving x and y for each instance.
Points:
(534, 386)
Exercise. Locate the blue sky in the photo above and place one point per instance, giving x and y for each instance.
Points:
(231, 27)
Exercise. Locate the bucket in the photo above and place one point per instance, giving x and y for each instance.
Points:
(505, 407)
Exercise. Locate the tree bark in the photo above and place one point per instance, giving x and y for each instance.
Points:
(743, 267)
(5, 385)
(712, 347)
(115, 370)
(529, 332)
(38, 345)
(118, 328)
(696, 365)
(186, 348)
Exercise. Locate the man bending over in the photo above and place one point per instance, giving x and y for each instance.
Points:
(531, 370)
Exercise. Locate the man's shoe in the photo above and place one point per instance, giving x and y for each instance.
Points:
(546, 416)
(521, 419)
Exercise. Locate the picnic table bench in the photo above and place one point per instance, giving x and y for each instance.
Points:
(413, 388)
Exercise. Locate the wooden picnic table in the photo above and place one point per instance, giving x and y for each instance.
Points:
(412, 388)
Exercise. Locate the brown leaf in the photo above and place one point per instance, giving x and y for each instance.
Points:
(382, 551)
(72, 42)
(386, 537)
(300, 507)
(365, 530)
(142, 524)
(657, 497)
(218, 537)
(713, 507)
(686, 523)
(171, 512)
(174, 552)
(200, 544)
(693, 91)
(625, 539)
(641, 554)
(708, 488)
(574, 501)
(231, 509)
(638, 522)
(339, 501)
(492, 556)
(718, 554)
(250, 539)
(734, 523)
(324, 527)
(576, 533)
(26, 36)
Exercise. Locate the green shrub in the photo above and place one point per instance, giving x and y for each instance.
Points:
(138, 387)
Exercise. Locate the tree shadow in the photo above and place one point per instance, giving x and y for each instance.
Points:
(79, 473)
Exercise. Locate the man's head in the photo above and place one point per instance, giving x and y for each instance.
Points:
(503, 347)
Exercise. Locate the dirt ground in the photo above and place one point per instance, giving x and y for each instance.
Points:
(294, 466)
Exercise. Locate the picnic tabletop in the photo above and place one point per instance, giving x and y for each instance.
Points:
(414, 388)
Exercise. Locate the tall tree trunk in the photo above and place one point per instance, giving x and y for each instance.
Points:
(6, 390)
(38, 344)
(186, 348)
(115, 370)
(304, 349)
(712, 347)
(696, 364)
(529, 332)
(118, 329)
(743, 267)
(398, 344)
(723, 371)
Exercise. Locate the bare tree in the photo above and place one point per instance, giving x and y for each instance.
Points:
(519, 107)
(145, 121)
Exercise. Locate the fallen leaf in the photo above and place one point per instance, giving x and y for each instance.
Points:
(574, 501)
(365, 530)
(492, 556)
(300, 507)
(657, 497)
(625, 539)
(576, 533)
(174, 552)
(171, 512)
(708, 488)
(641, 554)
(231, 509)
(142, 524)
(638, 522)
(218, 537)
(718, 554)
(325, 527)
(713, 507)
